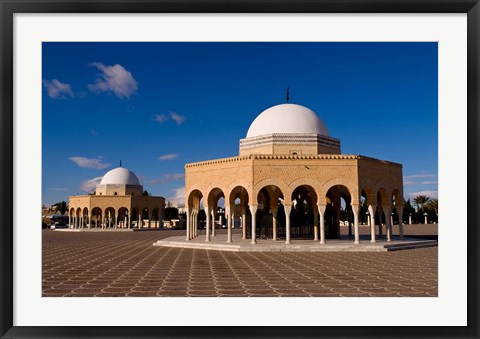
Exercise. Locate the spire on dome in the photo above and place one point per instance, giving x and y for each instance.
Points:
(287, 96)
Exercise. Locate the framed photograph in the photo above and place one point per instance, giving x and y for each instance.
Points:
(258, 169)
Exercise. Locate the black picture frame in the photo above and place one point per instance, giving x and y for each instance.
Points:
(9, 7)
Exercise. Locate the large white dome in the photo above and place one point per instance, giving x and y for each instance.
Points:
(120, 176)
(287, 118)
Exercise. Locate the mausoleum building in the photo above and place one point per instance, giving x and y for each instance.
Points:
(288, 182)
(119, 202)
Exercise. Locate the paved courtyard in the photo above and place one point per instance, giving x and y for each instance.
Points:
(118, 264)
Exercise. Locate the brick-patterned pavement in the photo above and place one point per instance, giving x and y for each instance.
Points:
(112, 264)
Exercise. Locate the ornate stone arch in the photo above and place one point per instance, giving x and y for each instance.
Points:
(397, 194)
(238, 191)
(193, 198)
(191, 188)
(352, 191)
(269, 182)
(370, 194)
(314, 184)
(383, 198)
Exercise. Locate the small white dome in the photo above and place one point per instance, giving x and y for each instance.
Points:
(120, 176)
(287, 118)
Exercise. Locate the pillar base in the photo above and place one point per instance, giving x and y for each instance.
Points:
(322, 242)
(356, 242)
(207, 240)
(287, 242)
(253, 242)
(373, 241)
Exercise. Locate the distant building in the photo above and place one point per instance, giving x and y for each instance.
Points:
(118, 202)
(288, 182)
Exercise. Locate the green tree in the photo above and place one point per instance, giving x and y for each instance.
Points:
(432, 209)
(420, 202)
(60, 207)
(171, 213)
(407, 209)
(432, 205)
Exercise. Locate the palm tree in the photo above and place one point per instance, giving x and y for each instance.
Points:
(420, 202)
(433, 205)
(61, 206)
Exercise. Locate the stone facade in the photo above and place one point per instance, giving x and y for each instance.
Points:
(292, 185)
(116, 205)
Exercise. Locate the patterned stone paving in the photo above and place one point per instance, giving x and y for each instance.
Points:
(110, 264)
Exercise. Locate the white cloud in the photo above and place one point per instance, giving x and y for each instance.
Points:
(89, 163)
(114, 79)
(429, 182)
(90, 184)
(409, 180)
(178, 199)
(179, 119)
(167, 178)
(57, 89)
(417, 176)
(167, 157)
(432, 194)
(160, 118)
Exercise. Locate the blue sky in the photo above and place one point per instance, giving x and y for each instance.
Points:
(157, 106)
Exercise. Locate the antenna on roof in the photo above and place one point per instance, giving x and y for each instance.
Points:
(120, 163)
(287, 96)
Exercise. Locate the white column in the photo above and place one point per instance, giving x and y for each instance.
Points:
(149, 219)
(380, 218)
(253, 211)
(207, 231)
(321, 213)
(194, 224)
(388, 225)
(109, 219)
(244, 223)
(410, 219)
(356, 212)
(371, 210)
(400, 221)
(213, 222)
(288, 209)
(89, 221)
(425, 220)
(69, 220)
(160, 220)
(274, 222)
(315, 224)
(229, 222)
(128, 221)
(187, 226)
